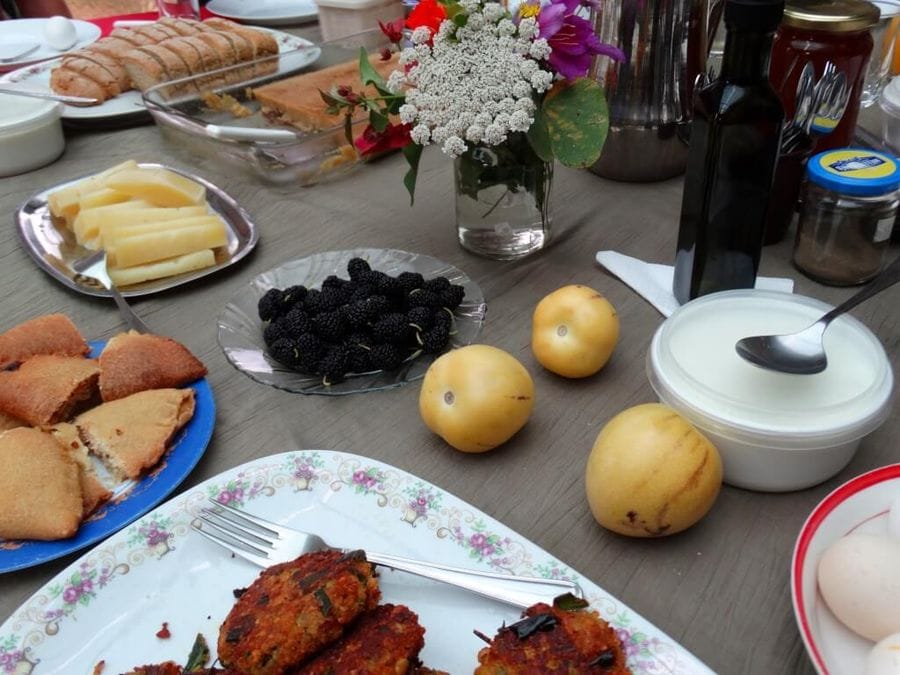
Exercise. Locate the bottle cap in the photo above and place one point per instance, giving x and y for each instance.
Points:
(833, 16)
(753, 15)
(854, 171)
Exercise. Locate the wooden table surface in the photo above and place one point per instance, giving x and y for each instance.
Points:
(721, 588)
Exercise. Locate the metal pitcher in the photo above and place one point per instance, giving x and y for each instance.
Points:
(649, 93)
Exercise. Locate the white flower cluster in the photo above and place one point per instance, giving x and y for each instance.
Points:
(472, 84)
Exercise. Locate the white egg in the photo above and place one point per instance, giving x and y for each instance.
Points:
(884, 659)
(894, 519)
(859, 578)
(59, 32)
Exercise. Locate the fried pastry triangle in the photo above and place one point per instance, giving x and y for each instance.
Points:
(133, 362)
(47, 389)
(40, 494)
(93, 491)
(49, 334)
(131, 434)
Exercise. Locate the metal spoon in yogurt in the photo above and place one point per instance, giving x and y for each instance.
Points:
(803, 353)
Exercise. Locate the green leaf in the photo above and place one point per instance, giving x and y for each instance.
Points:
(577, 120)
(329, 99)
(413, 153)
(378, 121)
(368, 74)
(199, 656)
(539, 137)
(460, 20)
(348, 129)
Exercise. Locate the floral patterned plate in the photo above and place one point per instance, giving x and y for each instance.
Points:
(241, 331)
(109, 605)
(131, 499)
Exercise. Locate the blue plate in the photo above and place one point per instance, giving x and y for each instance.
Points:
(188, 448)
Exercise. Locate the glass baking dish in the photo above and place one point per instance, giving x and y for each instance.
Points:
(215, 116)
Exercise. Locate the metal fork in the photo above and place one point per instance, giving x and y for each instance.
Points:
(265, 543)
(94, 267)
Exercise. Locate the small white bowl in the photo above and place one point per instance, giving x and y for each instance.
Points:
(31, 133)
(775, 432)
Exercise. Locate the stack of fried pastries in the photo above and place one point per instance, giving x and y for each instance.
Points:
(168, 49)
(60, 411)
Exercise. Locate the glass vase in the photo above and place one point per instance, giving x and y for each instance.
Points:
(502, 199)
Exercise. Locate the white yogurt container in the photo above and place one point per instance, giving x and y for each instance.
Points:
(775, 431)
(31, 133)
(339, 18)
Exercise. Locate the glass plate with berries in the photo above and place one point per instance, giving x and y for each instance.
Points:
(344, 322)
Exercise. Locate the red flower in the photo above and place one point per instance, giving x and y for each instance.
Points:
(374, 142)
(427, 13)
(393, 30)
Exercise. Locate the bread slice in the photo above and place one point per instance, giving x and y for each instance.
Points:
(70, 82)
(133, 362)
(150, 31)
(211, 60)
(131, 434)
(47, 389)
(40, 493)
(48, 334)
(110, 64)
(93, 491)
(188, 67)
(132, 37)
(264, 43)
(220, 45)
(144, 70)
(94, 71)
(180, 26)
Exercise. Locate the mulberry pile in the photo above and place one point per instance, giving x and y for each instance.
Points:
(371, 321)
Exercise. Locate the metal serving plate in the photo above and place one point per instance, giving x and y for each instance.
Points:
(54, 249)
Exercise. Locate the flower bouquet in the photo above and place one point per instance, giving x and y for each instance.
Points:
(503, 94)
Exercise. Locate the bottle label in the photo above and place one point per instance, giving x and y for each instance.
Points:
(858, 164)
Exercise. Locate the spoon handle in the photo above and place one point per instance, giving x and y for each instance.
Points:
(889, 277)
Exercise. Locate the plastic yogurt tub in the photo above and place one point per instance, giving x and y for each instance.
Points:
(31, 133)
(775, 431)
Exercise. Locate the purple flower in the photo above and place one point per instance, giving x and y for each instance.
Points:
(572, 39)
(87, 586)
(71, 595)
(359, 477)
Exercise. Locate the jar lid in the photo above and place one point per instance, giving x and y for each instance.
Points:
(854, 171)
(834, 16)
(693, 366)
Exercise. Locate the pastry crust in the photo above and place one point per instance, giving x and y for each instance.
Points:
(47, 389)
(48, 334)
(133, 362)
(131, 434)
(40, 493)
(93, 491)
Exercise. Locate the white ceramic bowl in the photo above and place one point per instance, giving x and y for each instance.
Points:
(31, 133)
(775, 432)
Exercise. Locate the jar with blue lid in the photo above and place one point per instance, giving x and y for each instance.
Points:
(848, 208)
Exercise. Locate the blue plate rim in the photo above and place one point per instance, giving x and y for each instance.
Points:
(190, 445)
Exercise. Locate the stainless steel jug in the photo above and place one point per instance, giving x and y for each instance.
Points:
(649, 93)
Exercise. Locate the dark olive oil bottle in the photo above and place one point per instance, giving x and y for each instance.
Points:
(735, 134)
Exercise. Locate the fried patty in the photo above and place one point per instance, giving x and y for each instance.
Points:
(295, 609)
(172, 668)
(553, 640)
(383, 641)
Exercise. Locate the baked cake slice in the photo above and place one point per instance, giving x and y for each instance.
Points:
(40, 493)
(49, 334)
(47, 389)
(93, 491)
(133, 362)
(131, 434)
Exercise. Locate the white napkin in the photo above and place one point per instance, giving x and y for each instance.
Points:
(654, 282)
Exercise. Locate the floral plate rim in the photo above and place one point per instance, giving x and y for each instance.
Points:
(375, 490)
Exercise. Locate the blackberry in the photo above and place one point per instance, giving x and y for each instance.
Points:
(389, 286)
(410, 281)
(393, 328)
(358, 340)
(334, 281)
(378, 305)
(269, 305)
(420, 317)
(385, 357)
(359, 359)
(452, 296)
(423, 298)
(333, 298)
(313, 302)
(333, 367)
(296, 322)
(357, 313)
(434, 340)
(361, 292)
(356, 267)
(273, 331)
(442, 317)
(284, 351)
(331, 326)
(292, 295)
(437, 285)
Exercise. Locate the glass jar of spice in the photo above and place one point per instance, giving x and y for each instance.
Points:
(849, 204)
(823, 31)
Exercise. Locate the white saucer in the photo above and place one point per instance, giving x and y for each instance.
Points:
(27, 30)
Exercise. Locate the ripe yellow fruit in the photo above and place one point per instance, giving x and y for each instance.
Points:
(651, 473)
(574, 331)
(476, 397)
